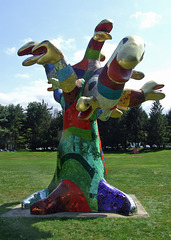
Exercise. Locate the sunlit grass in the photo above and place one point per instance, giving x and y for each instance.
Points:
(147, 175)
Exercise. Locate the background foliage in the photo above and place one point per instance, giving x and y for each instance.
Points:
(38, 127)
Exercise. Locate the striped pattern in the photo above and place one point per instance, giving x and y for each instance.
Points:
(64, 73)
(66, 76)
(117, 73)
(108, 92)
(69, 83)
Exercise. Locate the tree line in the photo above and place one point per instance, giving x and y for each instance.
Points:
(30, 128)
(38, 126)
(136, 127)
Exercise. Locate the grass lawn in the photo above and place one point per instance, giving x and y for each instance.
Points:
(147, 175)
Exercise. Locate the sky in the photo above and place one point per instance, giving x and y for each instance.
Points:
(69, 25)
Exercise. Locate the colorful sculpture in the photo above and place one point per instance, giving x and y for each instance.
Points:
(87, 91)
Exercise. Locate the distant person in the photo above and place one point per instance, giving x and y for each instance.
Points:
(135, 151)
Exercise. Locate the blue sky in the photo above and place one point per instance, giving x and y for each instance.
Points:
(69, 25)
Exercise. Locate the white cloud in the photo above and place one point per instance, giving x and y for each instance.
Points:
(78, 56)
(148, 19)
(87, 38)
(36, 91)
(10, 51)
(26, 40)
(58, 42)
(22, 75)
(63, 44)
(108, 50)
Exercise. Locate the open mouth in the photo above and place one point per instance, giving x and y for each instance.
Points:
(50, 88)
(158, 87)
(86, 114)
(39, 51)
(27, 48)
(25, 51)
(36, 51)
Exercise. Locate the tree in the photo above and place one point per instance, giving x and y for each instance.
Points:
(168, 117)
(109, 132)
(16, 120)
(4, 132)
(38, 120)
(122, 130)
(55, 129)
(11, 128)
(135, 122)
(157, 128)
(131, 127)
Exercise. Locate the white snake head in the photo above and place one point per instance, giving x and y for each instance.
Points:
(129, 52)
(152, 91)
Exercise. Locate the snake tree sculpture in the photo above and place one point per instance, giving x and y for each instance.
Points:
(87, 91)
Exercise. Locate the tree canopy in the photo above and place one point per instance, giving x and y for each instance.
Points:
(38, 126)
(158, 126)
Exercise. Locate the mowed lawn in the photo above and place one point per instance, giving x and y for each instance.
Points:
(147, 175)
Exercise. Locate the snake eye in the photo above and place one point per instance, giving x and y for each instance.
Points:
(124, 40)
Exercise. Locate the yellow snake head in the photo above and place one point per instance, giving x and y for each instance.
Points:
(86, 107)
(42, 53)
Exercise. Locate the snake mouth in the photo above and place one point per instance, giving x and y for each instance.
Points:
(27, 48)
(52, 88)
(37, 52)
(25, 51)
(86, 114)
(158, 87)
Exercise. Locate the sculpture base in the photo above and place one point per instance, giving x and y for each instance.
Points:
(19, 212)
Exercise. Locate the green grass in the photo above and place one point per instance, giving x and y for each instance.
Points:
(147, 175)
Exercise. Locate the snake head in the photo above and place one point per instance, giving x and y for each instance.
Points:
(130, 51)
(152, 91)
(86, 107)
(55, 84)
(42, 53)
(26, 49)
